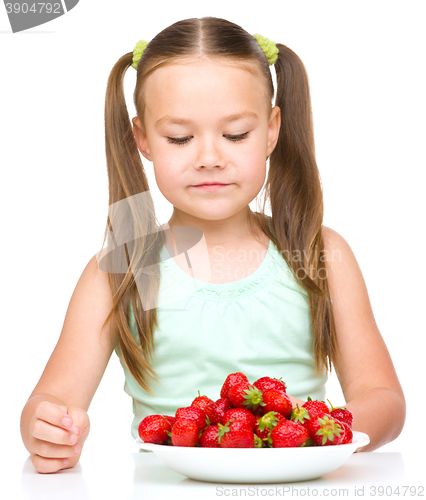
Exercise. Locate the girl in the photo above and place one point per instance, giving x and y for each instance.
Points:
(281, 296)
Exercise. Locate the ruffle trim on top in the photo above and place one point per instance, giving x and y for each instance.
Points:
(223, 291)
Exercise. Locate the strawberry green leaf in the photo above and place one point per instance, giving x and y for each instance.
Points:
(223, 429)
(253, 397)
(258, 443)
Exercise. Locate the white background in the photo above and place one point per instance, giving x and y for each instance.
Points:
(365, 62)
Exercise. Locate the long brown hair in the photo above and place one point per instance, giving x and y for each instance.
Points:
(293, 185)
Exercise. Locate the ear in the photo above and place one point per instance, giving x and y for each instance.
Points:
(141, 138)
(273, 129)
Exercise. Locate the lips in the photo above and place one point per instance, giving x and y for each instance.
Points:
(206, 187)
(210, 184)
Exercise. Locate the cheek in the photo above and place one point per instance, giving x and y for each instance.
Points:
(165, 177)
(252, 171)
(164, 163)
(168, 177)
(256, 180)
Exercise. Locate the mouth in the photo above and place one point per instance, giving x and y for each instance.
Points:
(210, 186)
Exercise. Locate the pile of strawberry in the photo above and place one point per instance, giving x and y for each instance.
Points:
(248, 415)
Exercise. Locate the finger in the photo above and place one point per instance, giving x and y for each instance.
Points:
(55, 415)
(47, 432)
(80, 417)
(48, 465)
(49, 450)
(81, 421)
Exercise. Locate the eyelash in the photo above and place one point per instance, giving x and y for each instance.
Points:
(183, 140)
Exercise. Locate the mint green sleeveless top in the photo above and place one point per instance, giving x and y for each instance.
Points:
(259, 325)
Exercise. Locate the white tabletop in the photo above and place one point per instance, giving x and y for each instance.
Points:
(125, 473)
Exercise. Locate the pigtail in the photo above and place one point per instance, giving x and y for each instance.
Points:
(134, 241)
(295, 193)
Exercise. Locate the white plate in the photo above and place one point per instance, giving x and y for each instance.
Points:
(255, 465)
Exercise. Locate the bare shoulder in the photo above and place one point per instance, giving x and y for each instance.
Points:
(97, 280)
(346, 282)
(342, 266)
(333, 240)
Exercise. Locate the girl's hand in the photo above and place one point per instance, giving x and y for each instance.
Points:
(57, 435)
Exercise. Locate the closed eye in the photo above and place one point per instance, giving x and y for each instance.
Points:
(183, 140)
(179, 141)
(236, 138)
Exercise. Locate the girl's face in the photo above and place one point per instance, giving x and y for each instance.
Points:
(207, 122)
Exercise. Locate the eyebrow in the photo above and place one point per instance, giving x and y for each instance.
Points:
(186, 121)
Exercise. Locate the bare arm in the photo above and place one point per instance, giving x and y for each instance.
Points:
(71, 377)
(364, 367)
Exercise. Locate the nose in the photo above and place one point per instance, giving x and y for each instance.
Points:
(209, 153)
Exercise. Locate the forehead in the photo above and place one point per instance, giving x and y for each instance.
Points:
(204, 88)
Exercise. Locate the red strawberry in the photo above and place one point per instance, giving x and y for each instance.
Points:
(223, 405)
(185, 432)
(315, 407)
(288, 434)
(246, 396)
(236, 434)
(341, 413)
(348, 434)
(208, 406)
(170, 419)
(210, 437)
(193, 413)
(231, 380)
(300, 415)
(265, 424)
(153, 429)
(324, 430)
(278, 401)
(266, 383)
(236, 394)
(258, 412)
(239, 414)
(201, 401)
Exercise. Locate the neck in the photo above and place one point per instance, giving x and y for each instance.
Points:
(228, 233)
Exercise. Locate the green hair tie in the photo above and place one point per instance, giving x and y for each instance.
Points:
(269, 48)
(138, 51)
